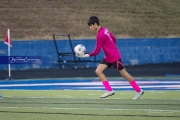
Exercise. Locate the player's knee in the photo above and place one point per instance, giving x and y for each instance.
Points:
(98, 72)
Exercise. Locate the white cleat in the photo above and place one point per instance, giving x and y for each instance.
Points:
(138, 95)
(107, 93)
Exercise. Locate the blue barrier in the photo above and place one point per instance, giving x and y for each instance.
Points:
(134, 51)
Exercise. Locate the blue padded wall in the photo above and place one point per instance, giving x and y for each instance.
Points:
(134, 51)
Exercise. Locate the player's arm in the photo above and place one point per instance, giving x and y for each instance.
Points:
(96, 50)
(98, 46)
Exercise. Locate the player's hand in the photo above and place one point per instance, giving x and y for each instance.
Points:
(83, 56)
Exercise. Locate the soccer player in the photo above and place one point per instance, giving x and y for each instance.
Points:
(106, 40)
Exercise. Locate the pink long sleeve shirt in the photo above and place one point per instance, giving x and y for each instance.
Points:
(106, 40)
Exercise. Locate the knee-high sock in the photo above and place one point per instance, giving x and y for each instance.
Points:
(135, 86)
(107, 85)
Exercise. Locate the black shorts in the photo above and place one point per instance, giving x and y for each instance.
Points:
(117, 64)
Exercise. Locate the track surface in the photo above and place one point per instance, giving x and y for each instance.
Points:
(136, 71)
(90, 84)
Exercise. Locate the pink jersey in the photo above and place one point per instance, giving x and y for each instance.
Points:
(106, 40)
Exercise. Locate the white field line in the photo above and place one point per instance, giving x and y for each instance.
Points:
(105, 109)
(157, 86)
(175, 87)
(71, 97)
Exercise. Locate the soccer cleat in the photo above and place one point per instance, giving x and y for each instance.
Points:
(107, 93)
(138, 95)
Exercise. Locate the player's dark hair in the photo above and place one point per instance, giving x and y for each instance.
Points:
(92, 20)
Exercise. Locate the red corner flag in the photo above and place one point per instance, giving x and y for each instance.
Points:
(8, 39)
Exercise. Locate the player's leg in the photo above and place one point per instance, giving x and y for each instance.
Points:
(120, 66)
(99, 71)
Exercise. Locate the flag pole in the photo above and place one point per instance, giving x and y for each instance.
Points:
(9, 43)
(9, 65)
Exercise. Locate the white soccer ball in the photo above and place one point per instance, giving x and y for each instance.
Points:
(80, 49)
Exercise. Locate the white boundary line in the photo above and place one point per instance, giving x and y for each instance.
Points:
(148, 110)
(71, 97)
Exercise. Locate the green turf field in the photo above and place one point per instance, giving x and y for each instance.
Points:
(86, 105)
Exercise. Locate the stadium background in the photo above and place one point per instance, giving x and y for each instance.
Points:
(32, 24)
(143, 27)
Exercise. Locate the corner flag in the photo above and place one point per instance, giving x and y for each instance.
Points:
(8, 39)
(9, 43)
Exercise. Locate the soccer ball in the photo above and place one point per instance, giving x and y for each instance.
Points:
(80, 49)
